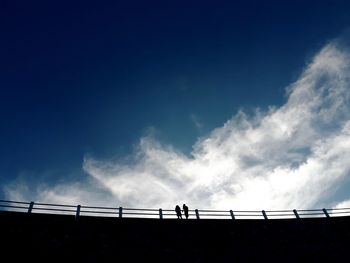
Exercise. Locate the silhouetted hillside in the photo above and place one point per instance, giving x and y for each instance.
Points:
(61, 238)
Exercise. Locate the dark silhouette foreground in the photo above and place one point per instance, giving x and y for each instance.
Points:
(61, 238)
(178, 212)
(185, 209)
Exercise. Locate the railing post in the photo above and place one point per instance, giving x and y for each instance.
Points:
(296, 214)
(120, 212)
(325, 212)
(232, 215)
(77, 214)
(160, 213)
(197, 213)
(30, 208)
(264, 214)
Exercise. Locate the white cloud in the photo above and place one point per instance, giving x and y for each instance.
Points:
(343, 204)
(293, 156)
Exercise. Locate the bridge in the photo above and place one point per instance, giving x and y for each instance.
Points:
(41, 232)
(83, 210)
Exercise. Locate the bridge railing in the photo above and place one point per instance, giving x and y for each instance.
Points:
(124, 212)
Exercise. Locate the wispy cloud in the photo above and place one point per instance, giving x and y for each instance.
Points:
(292, 156)
(196, 121)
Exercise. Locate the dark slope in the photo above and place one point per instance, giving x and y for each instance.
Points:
(61, 238)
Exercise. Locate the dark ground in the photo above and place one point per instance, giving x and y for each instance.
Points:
(61, 238)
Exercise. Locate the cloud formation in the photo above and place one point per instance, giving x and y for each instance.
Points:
(292, 156)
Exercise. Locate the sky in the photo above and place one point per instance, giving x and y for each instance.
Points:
(225, 104)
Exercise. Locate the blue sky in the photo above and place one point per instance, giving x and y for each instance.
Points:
(86, 85)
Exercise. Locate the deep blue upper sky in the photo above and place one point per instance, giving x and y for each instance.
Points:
(90, 77)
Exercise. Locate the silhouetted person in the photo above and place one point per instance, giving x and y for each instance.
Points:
(185, 209)
(178, 212)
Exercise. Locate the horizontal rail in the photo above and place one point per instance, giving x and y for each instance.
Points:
(98, 207)
(98, 212)
(291, 214)
(338, 209)
(244, 215)
(53, 209)
(78, 210)
(14, 206)
(310, 210)
(135, 213)
(346, 212)
(309, 214)
(44, 204)
(279, 211)
(16, 202)
(140, 209)
(215, 211)
(228, 214)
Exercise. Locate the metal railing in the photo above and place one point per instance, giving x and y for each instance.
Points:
(123, 212)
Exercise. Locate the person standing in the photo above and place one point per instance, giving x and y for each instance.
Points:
(178, 212)
(185, 209)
